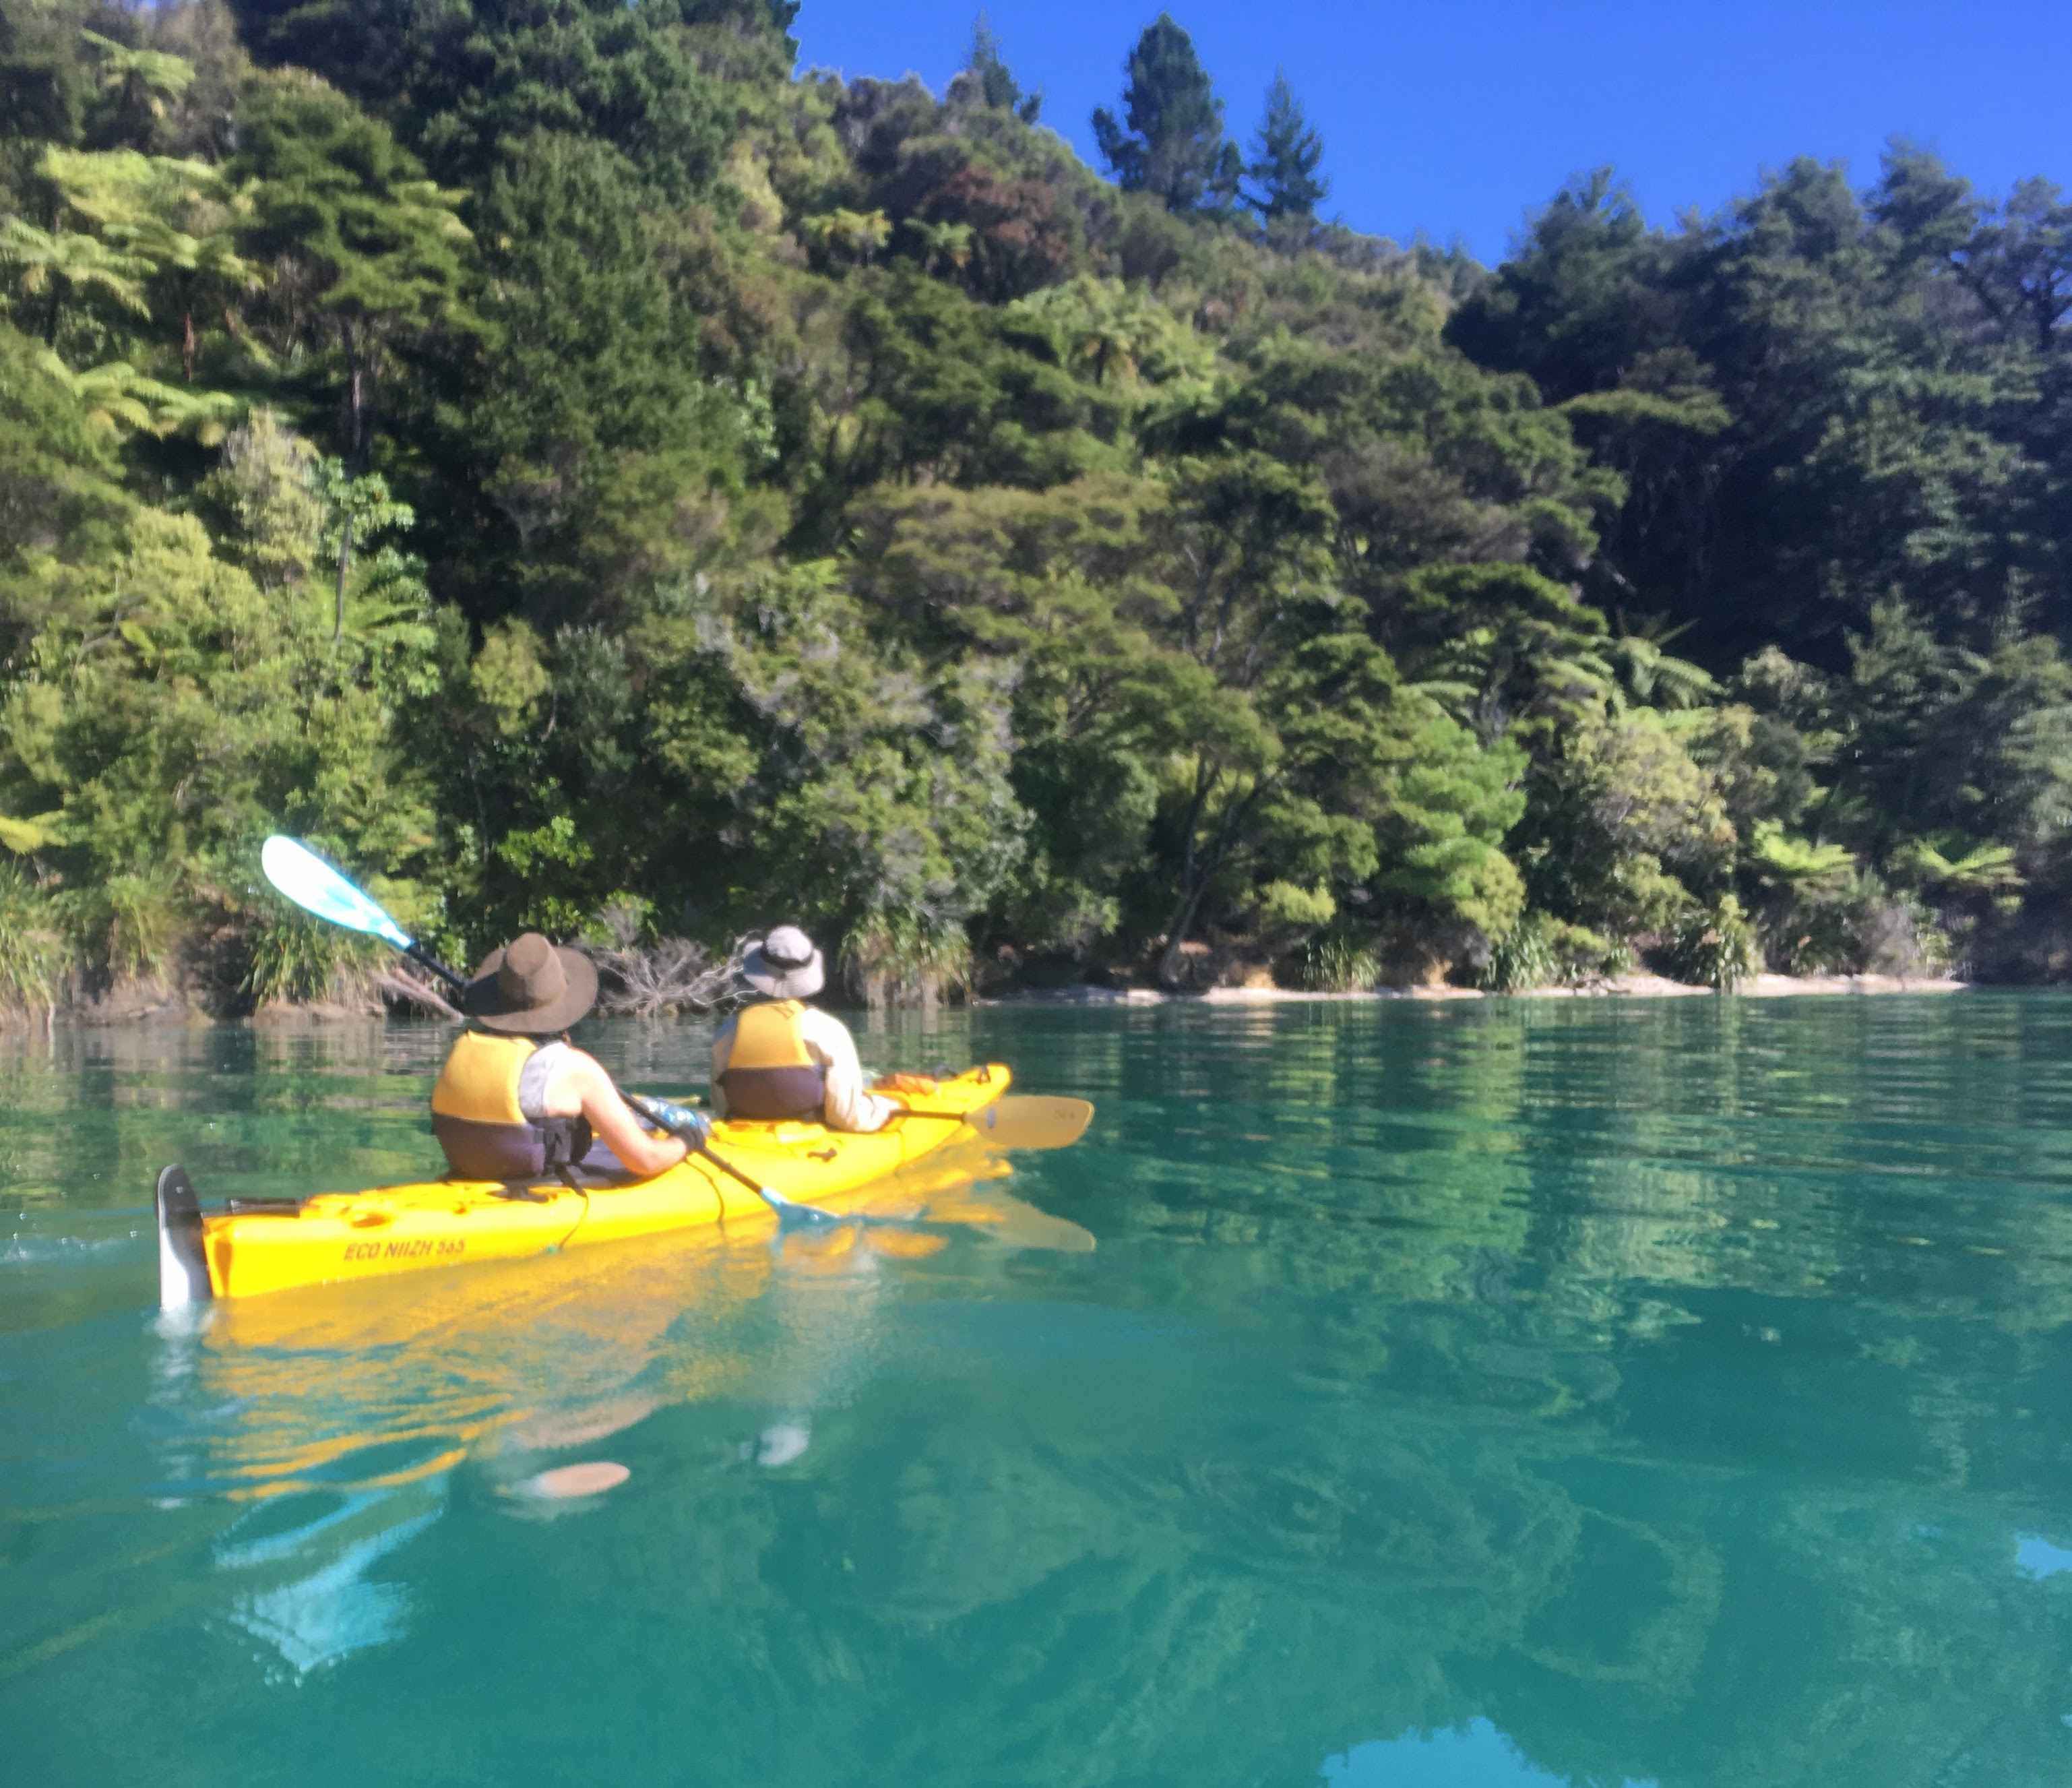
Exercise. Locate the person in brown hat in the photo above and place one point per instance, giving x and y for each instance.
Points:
(778, 1057)
(516, 1100)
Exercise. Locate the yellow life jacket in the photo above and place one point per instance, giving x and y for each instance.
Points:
(477, 1118)
(770, 1073)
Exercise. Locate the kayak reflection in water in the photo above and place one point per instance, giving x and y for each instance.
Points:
(516, 1099)
(336, 1430)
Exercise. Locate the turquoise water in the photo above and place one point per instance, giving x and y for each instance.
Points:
(1510, 1393)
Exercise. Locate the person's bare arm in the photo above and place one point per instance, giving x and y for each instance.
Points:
(613, 1121)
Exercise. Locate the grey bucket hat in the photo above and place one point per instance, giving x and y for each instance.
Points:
(785, 966)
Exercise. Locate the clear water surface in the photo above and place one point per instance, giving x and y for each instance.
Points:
(1511, 1393)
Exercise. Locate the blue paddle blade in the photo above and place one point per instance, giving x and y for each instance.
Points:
(315, 886)
(790, 1210)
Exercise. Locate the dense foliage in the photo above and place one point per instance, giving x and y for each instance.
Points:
(564, 463)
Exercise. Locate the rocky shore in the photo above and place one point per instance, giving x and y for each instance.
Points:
(1644, 986)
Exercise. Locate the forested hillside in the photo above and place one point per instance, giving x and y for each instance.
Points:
(585, 475)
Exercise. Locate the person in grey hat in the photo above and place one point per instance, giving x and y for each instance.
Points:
(778, 1057)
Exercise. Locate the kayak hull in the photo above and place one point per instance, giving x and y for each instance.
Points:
(389, 1230)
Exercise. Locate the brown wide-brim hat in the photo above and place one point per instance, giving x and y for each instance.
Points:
(532, 987)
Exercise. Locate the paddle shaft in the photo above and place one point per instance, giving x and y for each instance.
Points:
(696, 1144)
(417, 953)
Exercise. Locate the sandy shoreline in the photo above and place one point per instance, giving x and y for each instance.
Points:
(1631, 986)
(173, 1012)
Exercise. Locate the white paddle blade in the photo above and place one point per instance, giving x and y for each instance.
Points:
(1032, 1120)
(315, 886)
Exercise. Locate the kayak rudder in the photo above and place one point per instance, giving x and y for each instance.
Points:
(182, 1259)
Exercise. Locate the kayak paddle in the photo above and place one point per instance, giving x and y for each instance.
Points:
(693, 1136)
(317, 887)
(298, 872)
(1020, 1120)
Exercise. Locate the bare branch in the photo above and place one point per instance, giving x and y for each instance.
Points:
(407, 990)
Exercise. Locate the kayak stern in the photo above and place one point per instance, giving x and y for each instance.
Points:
(183, 1256)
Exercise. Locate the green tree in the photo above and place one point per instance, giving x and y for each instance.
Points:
(882, 795)
(1625, 829)
(2019, 262)
(140, 84)
(1447, 804)
(133, 242)
(1285, 159)
(264, 500)
(1171, 141)
(935, 387)
(174, 714)
(1944, 738)
(1106, 331)
(1058, 590)
(364, 251)
(994, 85)
(584, 422)
(47, 83)
(1512, 650)
(60, 498)
(1582, 300)
(462, 83)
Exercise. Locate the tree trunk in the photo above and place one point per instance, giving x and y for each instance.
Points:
(344, 560)
(1203, 865)
(1193, 886)
(355, 452)
(355, 432)
(1175, 934)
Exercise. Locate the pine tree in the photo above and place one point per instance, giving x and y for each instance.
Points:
(1283, 169)
(1173, 145)
(996, 86)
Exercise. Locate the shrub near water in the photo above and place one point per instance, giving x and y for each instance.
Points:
(1541, 951)
(906, 959)
(1862, 926)
(32, 954)
(1715, 948)
(129, 929)
(296, 959)
(1340, 965)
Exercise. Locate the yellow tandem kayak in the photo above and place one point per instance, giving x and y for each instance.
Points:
(258, 1245)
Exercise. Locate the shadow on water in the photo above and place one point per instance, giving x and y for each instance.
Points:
(1514, 1394)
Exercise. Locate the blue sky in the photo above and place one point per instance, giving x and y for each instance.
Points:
(1458, 120)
